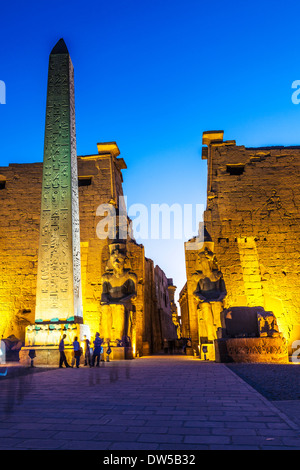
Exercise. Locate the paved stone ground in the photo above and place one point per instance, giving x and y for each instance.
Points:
(157, 403)
(273, 381)
(279, 383)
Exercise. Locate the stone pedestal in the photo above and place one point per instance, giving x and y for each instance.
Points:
(44, 338)
(189, 351)
(207, 352)
(45, 356)
(118, 353)
(264, 349)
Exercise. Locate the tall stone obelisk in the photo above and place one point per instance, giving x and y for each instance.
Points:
(58, 295)
(58, 284)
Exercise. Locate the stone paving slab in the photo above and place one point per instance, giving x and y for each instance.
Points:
(151, 403)
(273, 381)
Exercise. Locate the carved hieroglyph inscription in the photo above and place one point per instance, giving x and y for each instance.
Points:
(58, 284)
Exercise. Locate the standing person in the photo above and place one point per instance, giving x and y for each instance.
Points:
(61, 347)
(108, 352)
(97, 350)
(32, 355)
(77, 351)
(171, 346)
(166, 346)
(87, 354)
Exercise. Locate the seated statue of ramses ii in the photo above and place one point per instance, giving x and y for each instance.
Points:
(118, 283)
(209, 293)
(118, 291)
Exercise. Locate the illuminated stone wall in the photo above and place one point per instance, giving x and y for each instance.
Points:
(253, 218)
(184, 312)
(187, 301)
(252, 215)
(174, 310)
(20, 201)
(168, 328)
(100, 181)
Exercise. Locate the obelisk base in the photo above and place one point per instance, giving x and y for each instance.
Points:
(44, 356)
(118, 353)
(44, 339)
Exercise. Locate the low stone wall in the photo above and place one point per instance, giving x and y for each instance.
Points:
(251, 350)
(45, 356)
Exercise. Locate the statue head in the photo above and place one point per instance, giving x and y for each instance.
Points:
(207, 253)
(206, 258)
(117, 256)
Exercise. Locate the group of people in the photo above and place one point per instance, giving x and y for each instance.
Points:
(92, 356)
(176, 346)
(169, 346)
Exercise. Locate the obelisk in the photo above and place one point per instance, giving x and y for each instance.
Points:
(58, 294)
(58, 284)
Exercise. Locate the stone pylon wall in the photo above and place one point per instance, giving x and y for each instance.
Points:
(253, 217)
(20, 201)
(100, 181)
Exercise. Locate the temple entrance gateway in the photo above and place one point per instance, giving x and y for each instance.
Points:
(84, 284)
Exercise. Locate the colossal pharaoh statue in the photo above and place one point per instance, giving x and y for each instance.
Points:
(118, 291)
(209, 293)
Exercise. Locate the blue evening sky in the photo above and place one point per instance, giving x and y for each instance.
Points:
(152, 76)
